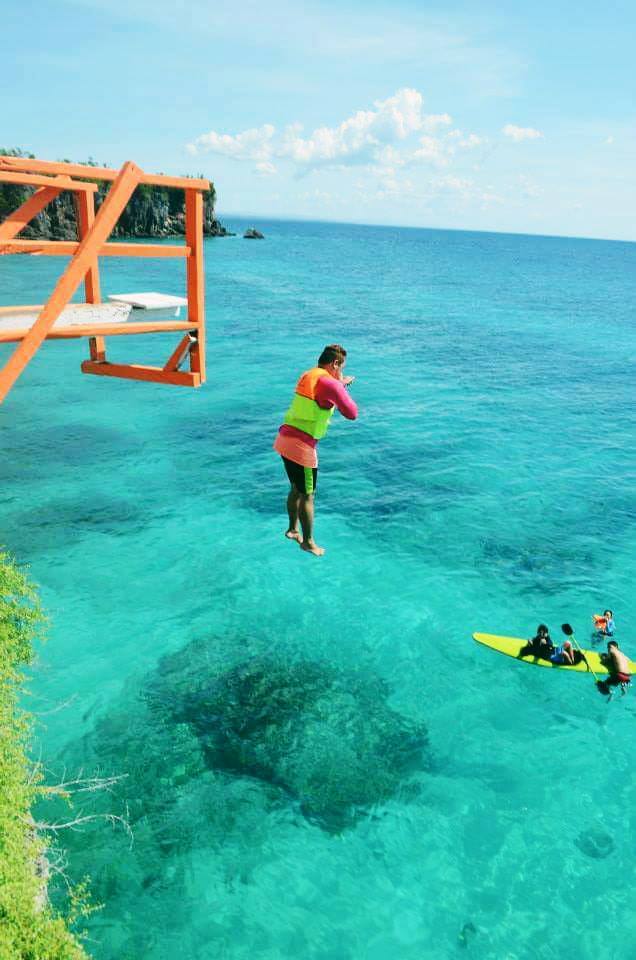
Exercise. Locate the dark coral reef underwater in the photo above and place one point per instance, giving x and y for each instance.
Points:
(211, 746)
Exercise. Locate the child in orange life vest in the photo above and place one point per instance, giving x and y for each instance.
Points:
(604, 625)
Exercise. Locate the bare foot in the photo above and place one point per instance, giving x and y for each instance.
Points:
(312, 547)
(292, 535)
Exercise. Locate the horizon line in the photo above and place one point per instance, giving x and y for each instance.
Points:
(405, 226)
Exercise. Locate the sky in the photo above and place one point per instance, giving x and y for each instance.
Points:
(506, 116)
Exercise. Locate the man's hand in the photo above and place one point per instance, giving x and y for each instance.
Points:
(347, 380)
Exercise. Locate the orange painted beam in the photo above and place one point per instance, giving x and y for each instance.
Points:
(108, 215)
(134, 371)
(31, 180)
(178, 354)
(194, 274)
(21, 217)
(85, 211)
(97, 349)
(67, 248)
(26, 164)
(104, 330)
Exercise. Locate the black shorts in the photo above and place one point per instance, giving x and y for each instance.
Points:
(304, 479)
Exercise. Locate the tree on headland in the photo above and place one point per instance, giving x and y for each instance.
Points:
(151, 212)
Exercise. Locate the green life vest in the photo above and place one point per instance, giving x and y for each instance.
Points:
(304, 413)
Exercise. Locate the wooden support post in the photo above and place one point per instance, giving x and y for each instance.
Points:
(85, 207)
(19, 219)
(194, 270)
(118, 196)
(97, 349)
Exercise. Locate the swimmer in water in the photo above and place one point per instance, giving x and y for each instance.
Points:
(619, 669)
(604, 625)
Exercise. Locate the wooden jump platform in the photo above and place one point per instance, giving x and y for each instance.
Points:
(58, 318)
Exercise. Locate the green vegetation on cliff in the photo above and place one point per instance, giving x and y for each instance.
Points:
(29, 928)
(151, 212)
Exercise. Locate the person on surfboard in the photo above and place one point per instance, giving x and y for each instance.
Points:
(563, 656)
(619, 669)
(540, 646)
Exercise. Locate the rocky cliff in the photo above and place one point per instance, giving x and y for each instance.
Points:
(151, 212)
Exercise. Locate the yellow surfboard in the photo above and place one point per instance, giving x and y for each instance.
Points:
(512, 646)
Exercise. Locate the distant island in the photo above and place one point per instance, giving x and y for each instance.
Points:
(151, 211)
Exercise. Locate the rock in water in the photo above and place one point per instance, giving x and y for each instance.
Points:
(252, 234)
(326, 737)
(595, 843)
(466, 934)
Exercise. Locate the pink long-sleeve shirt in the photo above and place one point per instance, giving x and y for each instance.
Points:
(296, 445)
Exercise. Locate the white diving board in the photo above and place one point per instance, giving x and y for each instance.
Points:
(168, 305)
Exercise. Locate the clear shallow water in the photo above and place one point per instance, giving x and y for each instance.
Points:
(488, 484)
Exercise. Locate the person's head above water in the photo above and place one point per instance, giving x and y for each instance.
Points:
(608, 614)
(333, 358)
(542, 630)
(612, 643)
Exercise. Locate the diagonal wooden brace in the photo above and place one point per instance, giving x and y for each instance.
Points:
(19, 219)
(106, 218)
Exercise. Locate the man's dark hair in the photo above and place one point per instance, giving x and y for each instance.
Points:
(333, 352)
(608, 612)
(612, 643)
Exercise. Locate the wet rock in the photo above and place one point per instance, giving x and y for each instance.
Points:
(252, 234)
(466, 934)
(595, 843)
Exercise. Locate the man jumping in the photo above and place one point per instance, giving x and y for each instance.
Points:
(318, 392)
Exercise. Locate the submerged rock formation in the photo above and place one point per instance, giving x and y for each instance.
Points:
(221, 744)
(328, 738)
(322, 741)
(151, 211)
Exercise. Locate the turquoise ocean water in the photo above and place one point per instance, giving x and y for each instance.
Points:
(487, 485)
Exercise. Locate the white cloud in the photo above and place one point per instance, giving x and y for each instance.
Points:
(389, 157)
(254, 144)
(520, 133)
(459, 185)
(471, 141)
(431, 149)
(265, 168)
(432, 121)
(359, 139)
(388, 138)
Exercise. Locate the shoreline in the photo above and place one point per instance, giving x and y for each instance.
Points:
(30, 925)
